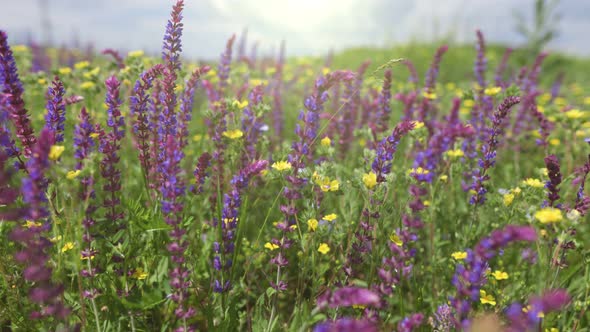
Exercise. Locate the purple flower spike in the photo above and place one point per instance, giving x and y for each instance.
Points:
(347, 325)
(410, 323)
(13, 88)
(552, 185)
(348, 297)
(55, 117)
(386, 149)
(530, 319)
(480, 175)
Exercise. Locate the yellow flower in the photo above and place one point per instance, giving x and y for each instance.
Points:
(312, 224)
(331, 217)
(64, 71)
(444, 178)
(67, 246)
(125, 70)
(87, 85)
(535, 183)
(370, 180)
(528, 307)
(553, 329)
(418, 124)
(325, 71)
(81, 64)
(326, 141)
(72, 174)
(271, 246)
(516, 191)
(418, 171)
(240, 104)
(42, 81)
(55, 239)
(20, 48)
(84, 258)
(574, 114)
(30, 224)
(549, 215)
(492, 91)
(469, 103)
(328, 185)
(587, 101)
(135, 54)
(455, 153)
(395, 239)
(55, 152)
(94, 135)
(500, 275)
(139, 274)
(429, 95)
(233, 134)
(92, 73)
(323, 248)
(554, 141)
(486, 298)
(508, 198)
(281, 166)
(459, 255)
(362, 142)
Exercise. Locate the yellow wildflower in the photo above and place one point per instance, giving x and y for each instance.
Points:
(429, 95)
(55, 152)
(92, 73)
(281, 166)
(535, 183)
(492, 91)
(312, 224)
(271, 246)
(139, 274)
(64, 71)
(55, 239)
(516, 191)
(328, 185)
(42, 81)
(444, 178)
(325, 71)
(370, 180)
(30, 224)
(457, 153)
(87, 85)
(233, 134)
(485, 298)
(326, 141)
(508, 198)
(81, 64)
(469, 103)
(135, 54)
(395, 239)
(549, 215)
(324, 248)
(240, 104)
(67, 246)
(330, 217)
(418, 124)
(19, 48)
(500, 275)
(418, 171)
(94, 135)
(72, 174)
(459, 255)
(574, 114)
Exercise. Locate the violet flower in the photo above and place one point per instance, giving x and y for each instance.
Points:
(109, 147)
(200, 172)
(348, 297)
(13, 88)
(33, 239)
(530, 319)
(381, 166)
(582, 203)
(116, 56)
(252, 125)
(502, 68)
(224, 67)
(186, 104)
(552, 185)
(347, 325)
(481, 61)
(470, 275)
(408, 324)
(223, 250)
(381, 120)
(55, 117)
(142, 127)
(488, 160)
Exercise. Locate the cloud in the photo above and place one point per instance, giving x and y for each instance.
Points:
(308, 26)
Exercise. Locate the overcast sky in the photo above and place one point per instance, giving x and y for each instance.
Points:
(308, 26)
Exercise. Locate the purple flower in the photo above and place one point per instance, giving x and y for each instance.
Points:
(252, 125)
(186, 103)
(501, 68)
(408, 324)
(470, 276)
(172, 46)
(347, 325)
(530, 319)
(55, 117)
(200, 172)
(380, 122)
(35, 245)
(387, 147)
(481, 61)
(224, 67)
(13, 88)
(229, 220)
(488, 160)
(116, 56)
(348, 297)
(554, 173)
(432, 74)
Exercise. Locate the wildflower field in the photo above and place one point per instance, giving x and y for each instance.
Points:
(257, 193)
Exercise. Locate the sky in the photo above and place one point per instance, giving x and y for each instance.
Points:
(309, 27)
